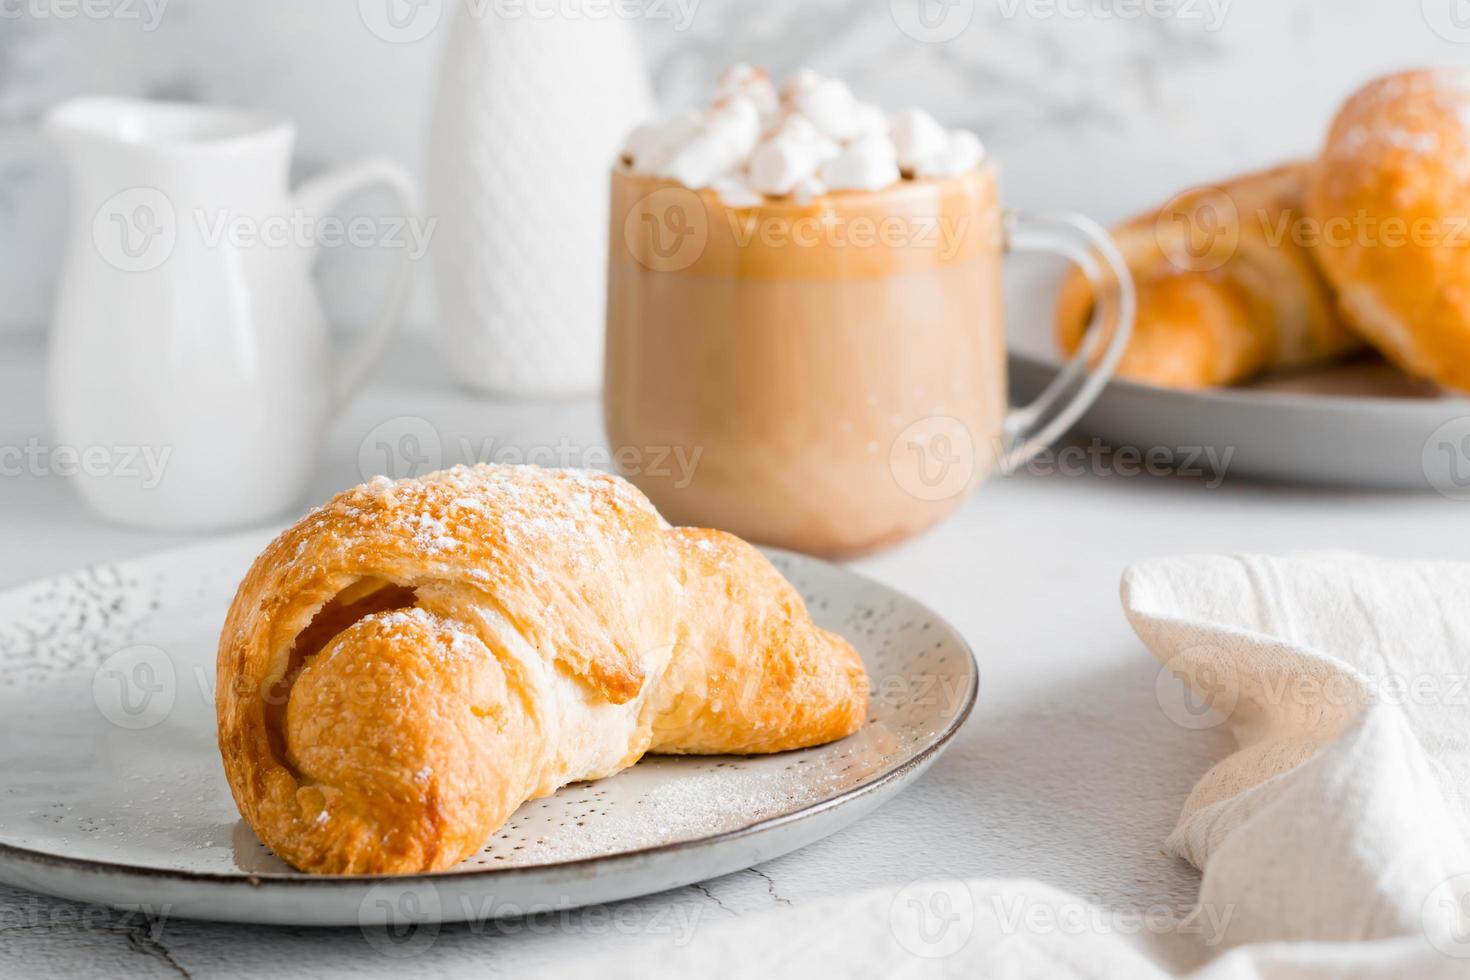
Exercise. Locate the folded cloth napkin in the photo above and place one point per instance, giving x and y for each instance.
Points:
(1345, 812)
(1334, 843)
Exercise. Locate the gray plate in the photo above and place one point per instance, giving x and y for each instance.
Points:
(1356, 425)
(113, 790)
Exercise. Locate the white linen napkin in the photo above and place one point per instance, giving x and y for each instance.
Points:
(1343, 815)
(1335, 842)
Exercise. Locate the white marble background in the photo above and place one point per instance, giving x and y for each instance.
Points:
(1103, 105)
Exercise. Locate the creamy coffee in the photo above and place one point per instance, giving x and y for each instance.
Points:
(836, 369)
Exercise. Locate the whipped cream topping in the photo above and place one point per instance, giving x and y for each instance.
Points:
(810, 136)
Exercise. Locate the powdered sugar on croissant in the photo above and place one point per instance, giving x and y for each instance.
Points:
(410, 663)
(1391, 195)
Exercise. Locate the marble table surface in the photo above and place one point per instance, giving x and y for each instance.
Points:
(1069, 771)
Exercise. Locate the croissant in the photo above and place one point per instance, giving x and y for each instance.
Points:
(1227, 288)
(407, 665)
(1391, 194)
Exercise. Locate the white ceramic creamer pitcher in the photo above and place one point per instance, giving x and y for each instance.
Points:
(191, 375)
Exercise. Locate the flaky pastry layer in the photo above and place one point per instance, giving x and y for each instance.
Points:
(407, 665)
(1391, 193)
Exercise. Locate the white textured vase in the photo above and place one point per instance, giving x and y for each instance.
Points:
(530, 116)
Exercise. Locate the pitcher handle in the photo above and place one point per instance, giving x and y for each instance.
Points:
(1032, 428)
(319, 195)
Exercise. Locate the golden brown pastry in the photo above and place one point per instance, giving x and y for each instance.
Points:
(407, 665)
(1391, 194)
(1227, 288)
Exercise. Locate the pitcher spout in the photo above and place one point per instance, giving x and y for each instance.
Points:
(168, 127)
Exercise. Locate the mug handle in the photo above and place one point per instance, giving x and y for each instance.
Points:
(322, 193)
(1032, 428)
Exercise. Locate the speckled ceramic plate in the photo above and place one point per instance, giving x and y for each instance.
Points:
(112, 790)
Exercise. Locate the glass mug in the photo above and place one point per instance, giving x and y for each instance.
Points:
(831, 377)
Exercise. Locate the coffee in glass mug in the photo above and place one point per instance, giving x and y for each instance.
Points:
(830, 374)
